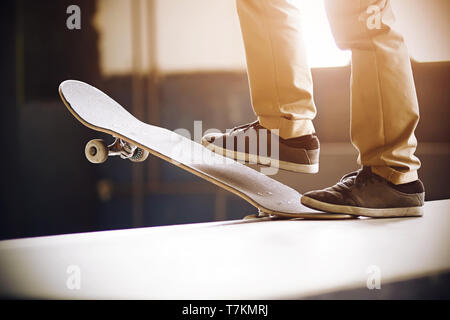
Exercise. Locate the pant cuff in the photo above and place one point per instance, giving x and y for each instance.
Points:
(395, 176)
(288, 128)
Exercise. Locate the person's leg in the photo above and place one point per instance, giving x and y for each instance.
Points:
(281, 90)
(384, 107)
(384, 115)
(279, 76)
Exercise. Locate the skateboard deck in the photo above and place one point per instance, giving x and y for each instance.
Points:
(98, 111)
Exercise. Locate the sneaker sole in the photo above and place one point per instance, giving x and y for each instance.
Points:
(266, 161)
(361, 211)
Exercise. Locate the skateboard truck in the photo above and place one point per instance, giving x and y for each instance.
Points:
(261, 214)
(97, 151)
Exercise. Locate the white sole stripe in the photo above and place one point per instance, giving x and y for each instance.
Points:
(361, 211)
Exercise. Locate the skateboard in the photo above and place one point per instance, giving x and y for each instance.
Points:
(135, 140)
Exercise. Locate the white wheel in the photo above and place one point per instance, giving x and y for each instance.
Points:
(251, 217)
(96, 151)
(139, 155)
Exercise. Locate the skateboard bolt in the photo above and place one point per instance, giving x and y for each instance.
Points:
(92, 151)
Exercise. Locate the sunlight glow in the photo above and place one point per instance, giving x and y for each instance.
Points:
(204, 35)
(320, 46)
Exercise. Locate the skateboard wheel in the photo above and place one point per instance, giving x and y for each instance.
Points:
(139, 155)
(96, 151)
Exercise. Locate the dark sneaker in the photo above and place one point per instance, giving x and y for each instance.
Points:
(363, 193)
(254, 144)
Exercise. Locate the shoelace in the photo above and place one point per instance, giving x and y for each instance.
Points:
(361, 177)
(350, 175)
(246, 126)
(347, 181)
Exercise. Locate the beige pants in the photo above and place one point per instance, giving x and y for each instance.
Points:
(384, 107)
